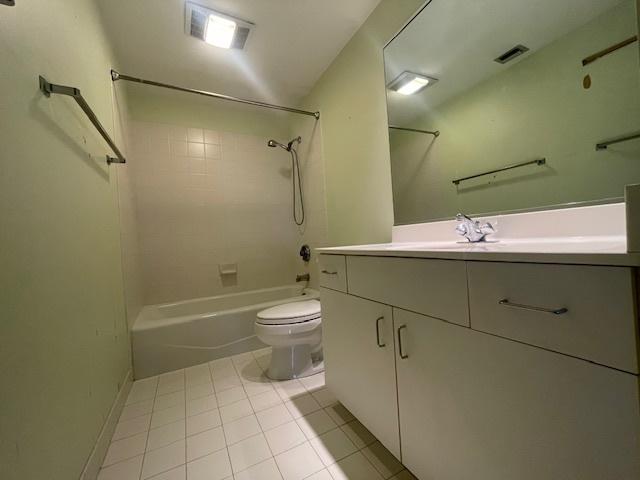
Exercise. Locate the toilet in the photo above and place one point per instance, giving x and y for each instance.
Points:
(294, 331)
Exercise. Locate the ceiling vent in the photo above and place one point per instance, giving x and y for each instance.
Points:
(511, 54)
(197, 19)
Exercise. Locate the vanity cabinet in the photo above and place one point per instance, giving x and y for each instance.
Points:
(513, 393)
(359, 358)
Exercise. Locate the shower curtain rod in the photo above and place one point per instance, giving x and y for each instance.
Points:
(120, 76)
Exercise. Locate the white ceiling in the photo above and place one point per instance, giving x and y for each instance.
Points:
(292, 44)
(457, 40)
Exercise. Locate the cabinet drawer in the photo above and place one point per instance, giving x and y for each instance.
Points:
(599, 323)
(333, 272)
(437, 288)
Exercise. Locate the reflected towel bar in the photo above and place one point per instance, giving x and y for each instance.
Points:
(606, 143)
(435, 134)
(115, 76)
(49, 88)
(540, 161)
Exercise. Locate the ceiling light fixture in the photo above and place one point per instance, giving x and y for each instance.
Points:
(215, 28)
(220, 31)
(408, 83)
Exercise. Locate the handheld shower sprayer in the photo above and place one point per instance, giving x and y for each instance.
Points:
(295, 169)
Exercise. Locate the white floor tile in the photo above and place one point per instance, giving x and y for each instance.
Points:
(321, 475)
(231, 395)
(142, 390)
(135, 410)
(178, 473)
(205, 443)
(168, 400)
(382, 459)
(165, 435)
(131, 427)
(240, 429)
(124, 449)
(223, 383)
(339, 414)
(163, 459)
(242, 359)
(316, 423)
(170, 384)
(274, 416)
(302, 405)
(126, 470)
(214, 466)
(265, 400)
(358, 434)
(200, 405)
(264, 360)
(237, 410)
(203, 421)
(166, 416)
(289, 389)
(324, 397)
(284, 437)
(249, 452)
(254, 389)
(299, 462)
(333, 446)
(354, 467)
(267, 470)
(198, 391)
(313, 382)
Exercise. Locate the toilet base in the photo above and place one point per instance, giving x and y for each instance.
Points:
(296, 361)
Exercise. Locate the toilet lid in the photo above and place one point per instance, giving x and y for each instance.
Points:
(294, 312)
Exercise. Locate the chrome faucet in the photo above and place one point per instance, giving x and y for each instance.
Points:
(472, 230)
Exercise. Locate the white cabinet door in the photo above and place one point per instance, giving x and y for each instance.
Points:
(475, 406)
(359, 361)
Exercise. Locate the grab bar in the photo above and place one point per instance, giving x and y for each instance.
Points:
(540, 161)
(435, 133)
(625, 138)
(49, 88)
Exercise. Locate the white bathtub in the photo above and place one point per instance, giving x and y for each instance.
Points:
(176, 335)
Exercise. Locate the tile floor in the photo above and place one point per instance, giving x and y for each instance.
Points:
(226, 420)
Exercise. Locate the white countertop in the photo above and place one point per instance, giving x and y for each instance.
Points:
(588, 250)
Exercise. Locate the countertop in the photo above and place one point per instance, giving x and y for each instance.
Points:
(592, 250)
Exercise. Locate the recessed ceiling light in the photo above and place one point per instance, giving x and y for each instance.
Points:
(220, 31)
(216, 28)
(408, 83)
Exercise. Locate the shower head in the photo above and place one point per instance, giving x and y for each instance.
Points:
(272, 143)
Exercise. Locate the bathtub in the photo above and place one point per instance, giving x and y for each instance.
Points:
(176, 335)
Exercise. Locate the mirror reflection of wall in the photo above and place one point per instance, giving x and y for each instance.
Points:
(540, 102)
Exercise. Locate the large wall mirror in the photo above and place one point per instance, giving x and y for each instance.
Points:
(499, 105)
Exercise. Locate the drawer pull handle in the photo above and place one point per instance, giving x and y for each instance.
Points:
(378, 332)
(400, 349)
(328, 272)
(555, 311)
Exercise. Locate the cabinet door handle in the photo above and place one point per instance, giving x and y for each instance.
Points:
(400, 349)
(328, 272)
(555, 311)
(378, 332)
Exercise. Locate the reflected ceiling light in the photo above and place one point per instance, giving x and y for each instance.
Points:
(408, 83)
(216, 28)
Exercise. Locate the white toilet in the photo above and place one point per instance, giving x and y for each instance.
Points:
(294, 331)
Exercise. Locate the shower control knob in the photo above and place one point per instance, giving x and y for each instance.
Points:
(305, 253)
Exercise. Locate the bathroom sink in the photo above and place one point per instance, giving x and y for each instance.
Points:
(427, 246)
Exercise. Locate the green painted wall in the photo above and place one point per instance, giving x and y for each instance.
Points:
(537, 108)
(65, 346)
(351, 98)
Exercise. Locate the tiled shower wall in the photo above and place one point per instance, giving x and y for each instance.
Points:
(206, 201)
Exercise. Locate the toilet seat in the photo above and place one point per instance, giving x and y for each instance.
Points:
(290, 313)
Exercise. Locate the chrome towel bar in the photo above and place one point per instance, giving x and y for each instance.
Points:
(49, 88)
(624, 138)
(434, 133)
(540, 161)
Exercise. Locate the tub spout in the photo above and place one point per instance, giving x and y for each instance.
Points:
(303, 278)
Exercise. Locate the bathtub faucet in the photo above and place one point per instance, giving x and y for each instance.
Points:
(303, 278)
